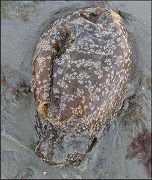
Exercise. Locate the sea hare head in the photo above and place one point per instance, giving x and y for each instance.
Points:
(80, 70)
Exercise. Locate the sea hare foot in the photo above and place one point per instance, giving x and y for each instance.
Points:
(80, 70)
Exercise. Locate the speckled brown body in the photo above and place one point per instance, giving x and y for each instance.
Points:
(80, 71)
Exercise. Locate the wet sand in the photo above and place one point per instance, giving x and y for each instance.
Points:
(22, 24)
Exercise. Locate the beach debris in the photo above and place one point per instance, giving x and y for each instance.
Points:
(26, 173)
(44, 173)
(140, 148)
(3, 131)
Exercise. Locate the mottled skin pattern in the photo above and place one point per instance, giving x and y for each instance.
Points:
(80, 70)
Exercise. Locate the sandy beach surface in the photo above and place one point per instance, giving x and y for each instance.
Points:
(22, 24)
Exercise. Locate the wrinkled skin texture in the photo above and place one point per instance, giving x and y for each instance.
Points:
(80, 70)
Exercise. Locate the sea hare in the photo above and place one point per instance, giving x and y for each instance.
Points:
(81, 67)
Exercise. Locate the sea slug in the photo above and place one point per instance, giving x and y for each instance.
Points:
(81, 67)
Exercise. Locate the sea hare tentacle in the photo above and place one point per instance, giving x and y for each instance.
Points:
(80, 70)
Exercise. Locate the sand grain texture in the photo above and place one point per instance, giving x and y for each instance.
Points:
(22, 25)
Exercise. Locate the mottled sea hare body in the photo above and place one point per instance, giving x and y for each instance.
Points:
(80, 70)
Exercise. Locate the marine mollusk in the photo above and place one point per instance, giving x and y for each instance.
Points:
(80, 70)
